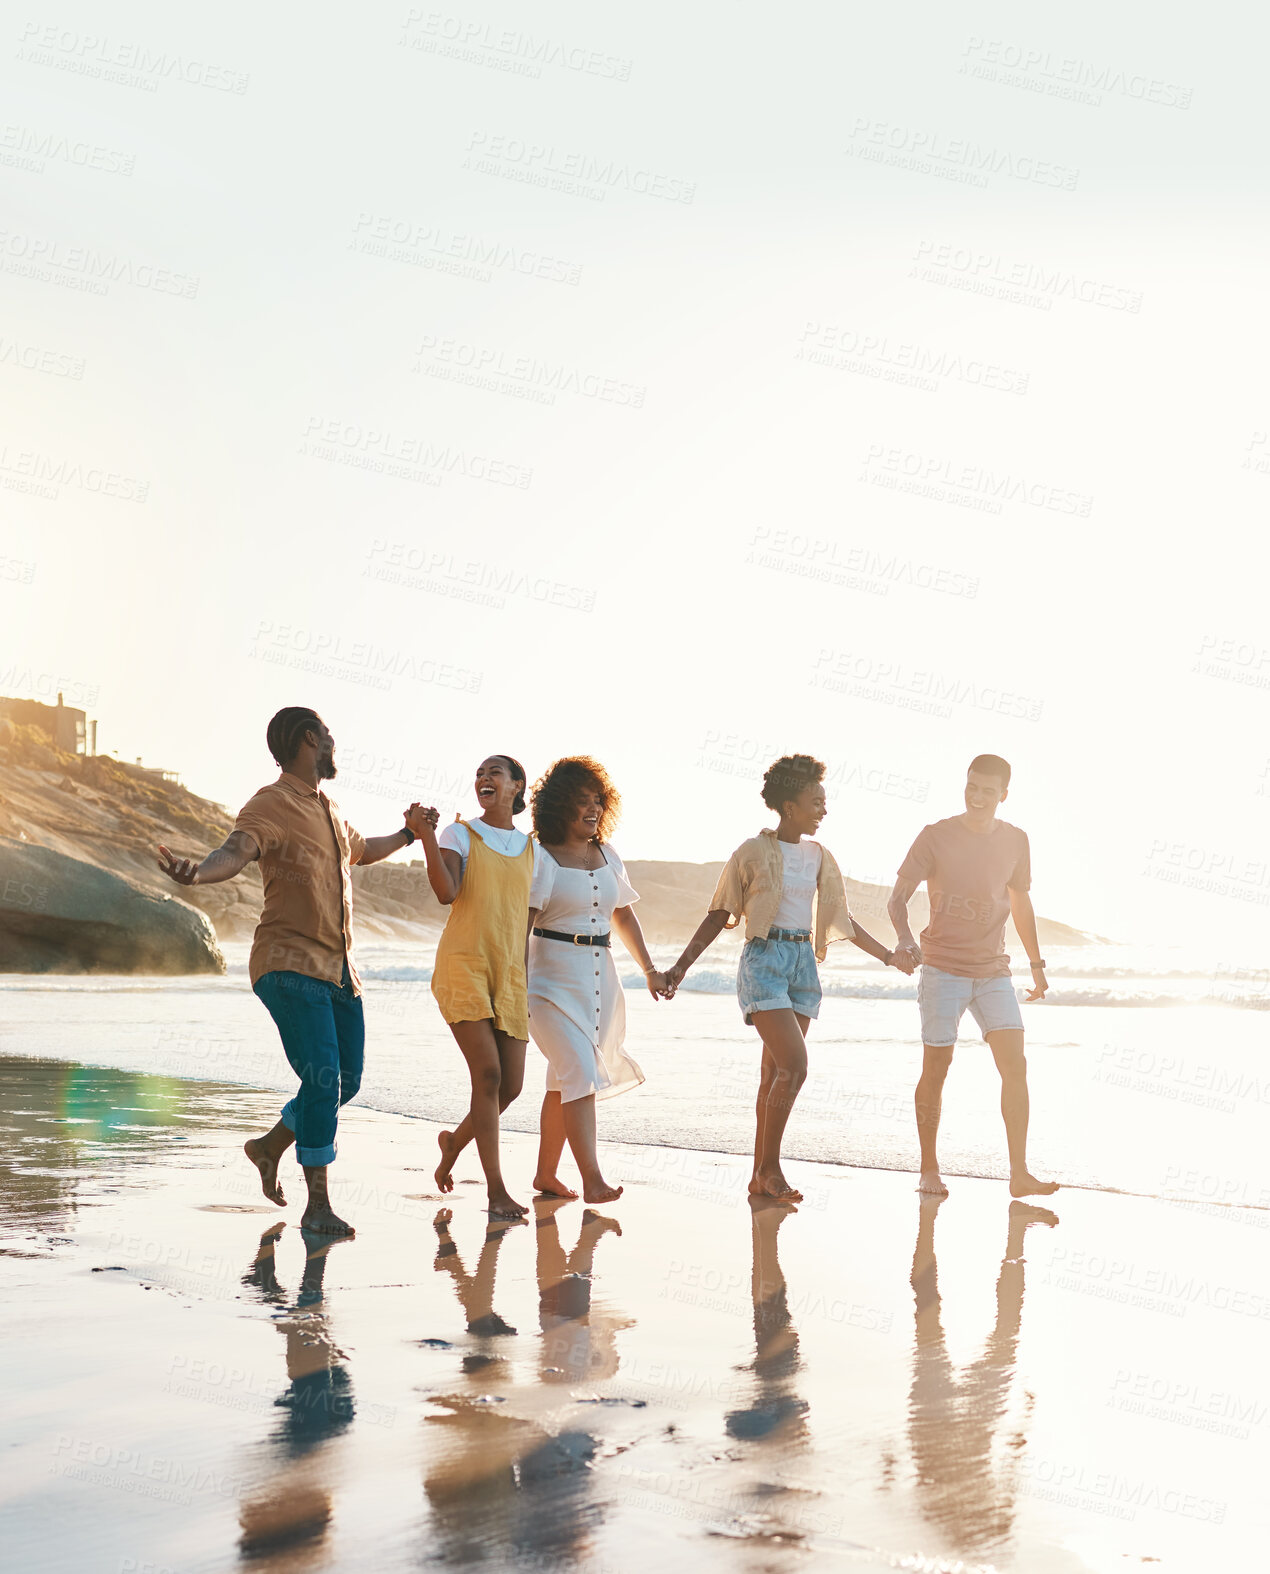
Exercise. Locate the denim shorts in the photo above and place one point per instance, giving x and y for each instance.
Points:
(943, 997)
(776, 974)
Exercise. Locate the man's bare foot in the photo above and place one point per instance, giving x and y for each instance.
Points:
(504, 1206)
(1027, 1185)
(773, 1184)
(931, 1182)
(553, 1186)
(261, 1274)
(602, 1192)
(443, 1177)
(265, 1162)
(320, 1219)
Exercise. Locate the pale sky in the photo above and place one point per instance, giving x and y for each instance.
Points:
(798, 468)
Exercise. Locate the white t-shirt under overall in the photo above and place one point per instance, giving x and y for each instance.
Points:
(510, 844)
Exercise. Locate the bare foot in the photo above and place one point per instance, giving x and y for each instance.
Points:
(931, 1181)
(602, 1192)
(553, 1186)
(265, 1162)
(775, 1185)
(1027, 1185)
(606, 1224)
(1026, 1213)
(504, 1206)
(443, 1177)
(261, 1275)
(319, 1219)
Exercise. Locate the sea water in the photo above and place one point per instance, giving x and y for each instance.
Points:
(1147, 1069)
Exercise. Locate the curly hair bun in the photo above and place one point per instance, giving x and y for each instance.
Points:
(787, 777)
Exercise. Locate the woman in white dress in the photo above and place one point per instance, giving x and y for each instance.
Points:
(577, 1015)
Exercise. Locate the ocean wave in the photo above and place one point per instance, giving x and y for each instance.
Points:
(713, 981)
(394, 973)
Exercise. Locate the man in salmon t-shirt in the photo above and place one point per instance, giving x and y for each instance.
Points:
(978, 872)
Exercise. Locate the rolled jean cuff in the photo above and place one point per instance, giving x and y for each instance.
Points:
(314, 1158)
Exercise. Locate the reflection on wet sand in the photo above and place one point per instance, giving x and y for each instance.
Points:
(60, 1121)
(503, 1488)
(775, 1410)
(287, 1518)
(967, 1465)
(579, 1339)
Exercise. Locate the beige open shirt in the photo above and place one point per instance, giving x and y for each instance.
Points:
(306, 851)
(751, 884)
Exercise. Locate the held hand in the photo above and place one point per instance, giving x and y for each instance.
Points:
(657, 984)
(420, 819)
(907, 958)
(1039, 986)
(673, 978)
(183, 870)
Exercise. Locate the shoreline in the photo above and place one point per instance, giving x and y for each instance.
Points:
(869, 1380)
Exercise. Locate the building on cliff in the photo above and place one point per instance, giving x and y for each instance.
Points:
(67, 728)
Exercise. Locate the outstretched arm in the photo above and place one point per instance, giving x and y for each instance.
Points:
(229, 859)
(897, 911)
(708, 931)
(628, 926)
(378, 847)
(1025, 922)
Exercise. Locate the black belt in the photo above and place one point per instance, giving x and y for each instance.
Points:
(555, 934)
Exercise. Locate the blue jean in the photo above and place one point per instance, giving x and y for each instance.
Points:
(324, 1037)
(776, 975)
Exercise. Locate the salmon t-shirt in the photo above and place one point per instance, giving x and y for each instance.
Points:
(969, 877)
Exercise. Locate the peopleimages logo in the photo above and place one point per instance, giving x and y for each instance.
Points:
(408, 458)
(135, 65)
(941, 479)
(957, 158)
(505, 48)
(1064, 76)
(1030, 283)
(39, 257)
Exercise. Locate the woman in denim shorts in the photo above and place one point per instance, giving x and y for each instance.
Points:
(791, 894)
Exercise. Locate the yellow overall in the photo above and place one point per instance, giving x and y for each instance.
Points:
(479, 971)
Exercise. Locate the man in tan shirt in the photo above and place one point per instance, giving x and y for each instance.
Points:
(978, 873)
(302, 964)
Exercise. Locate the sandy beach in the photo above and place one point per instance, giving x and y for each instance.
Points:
(674, 1381)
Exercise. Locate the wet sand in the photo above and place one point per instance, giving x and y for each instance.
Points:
(674, 1381)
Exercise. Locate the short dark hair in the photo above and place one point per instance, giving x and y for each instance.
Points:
(991, 765)
(557, 791)
(286, 731)
(785, 778)
(518, 774)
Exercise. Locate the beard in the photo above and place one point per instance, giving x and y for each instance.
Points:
(326, 768)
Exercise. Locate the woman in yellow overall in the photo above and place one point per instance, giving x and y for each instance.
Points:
(481, 870)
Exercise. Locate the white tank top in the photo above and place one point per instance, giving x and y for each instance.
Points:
(802, 869)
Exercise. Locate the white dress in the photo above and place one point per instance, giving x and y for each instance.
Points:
(577, 1013)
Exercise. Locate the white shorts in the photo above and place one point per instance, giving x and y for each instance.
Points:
(943, 998)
